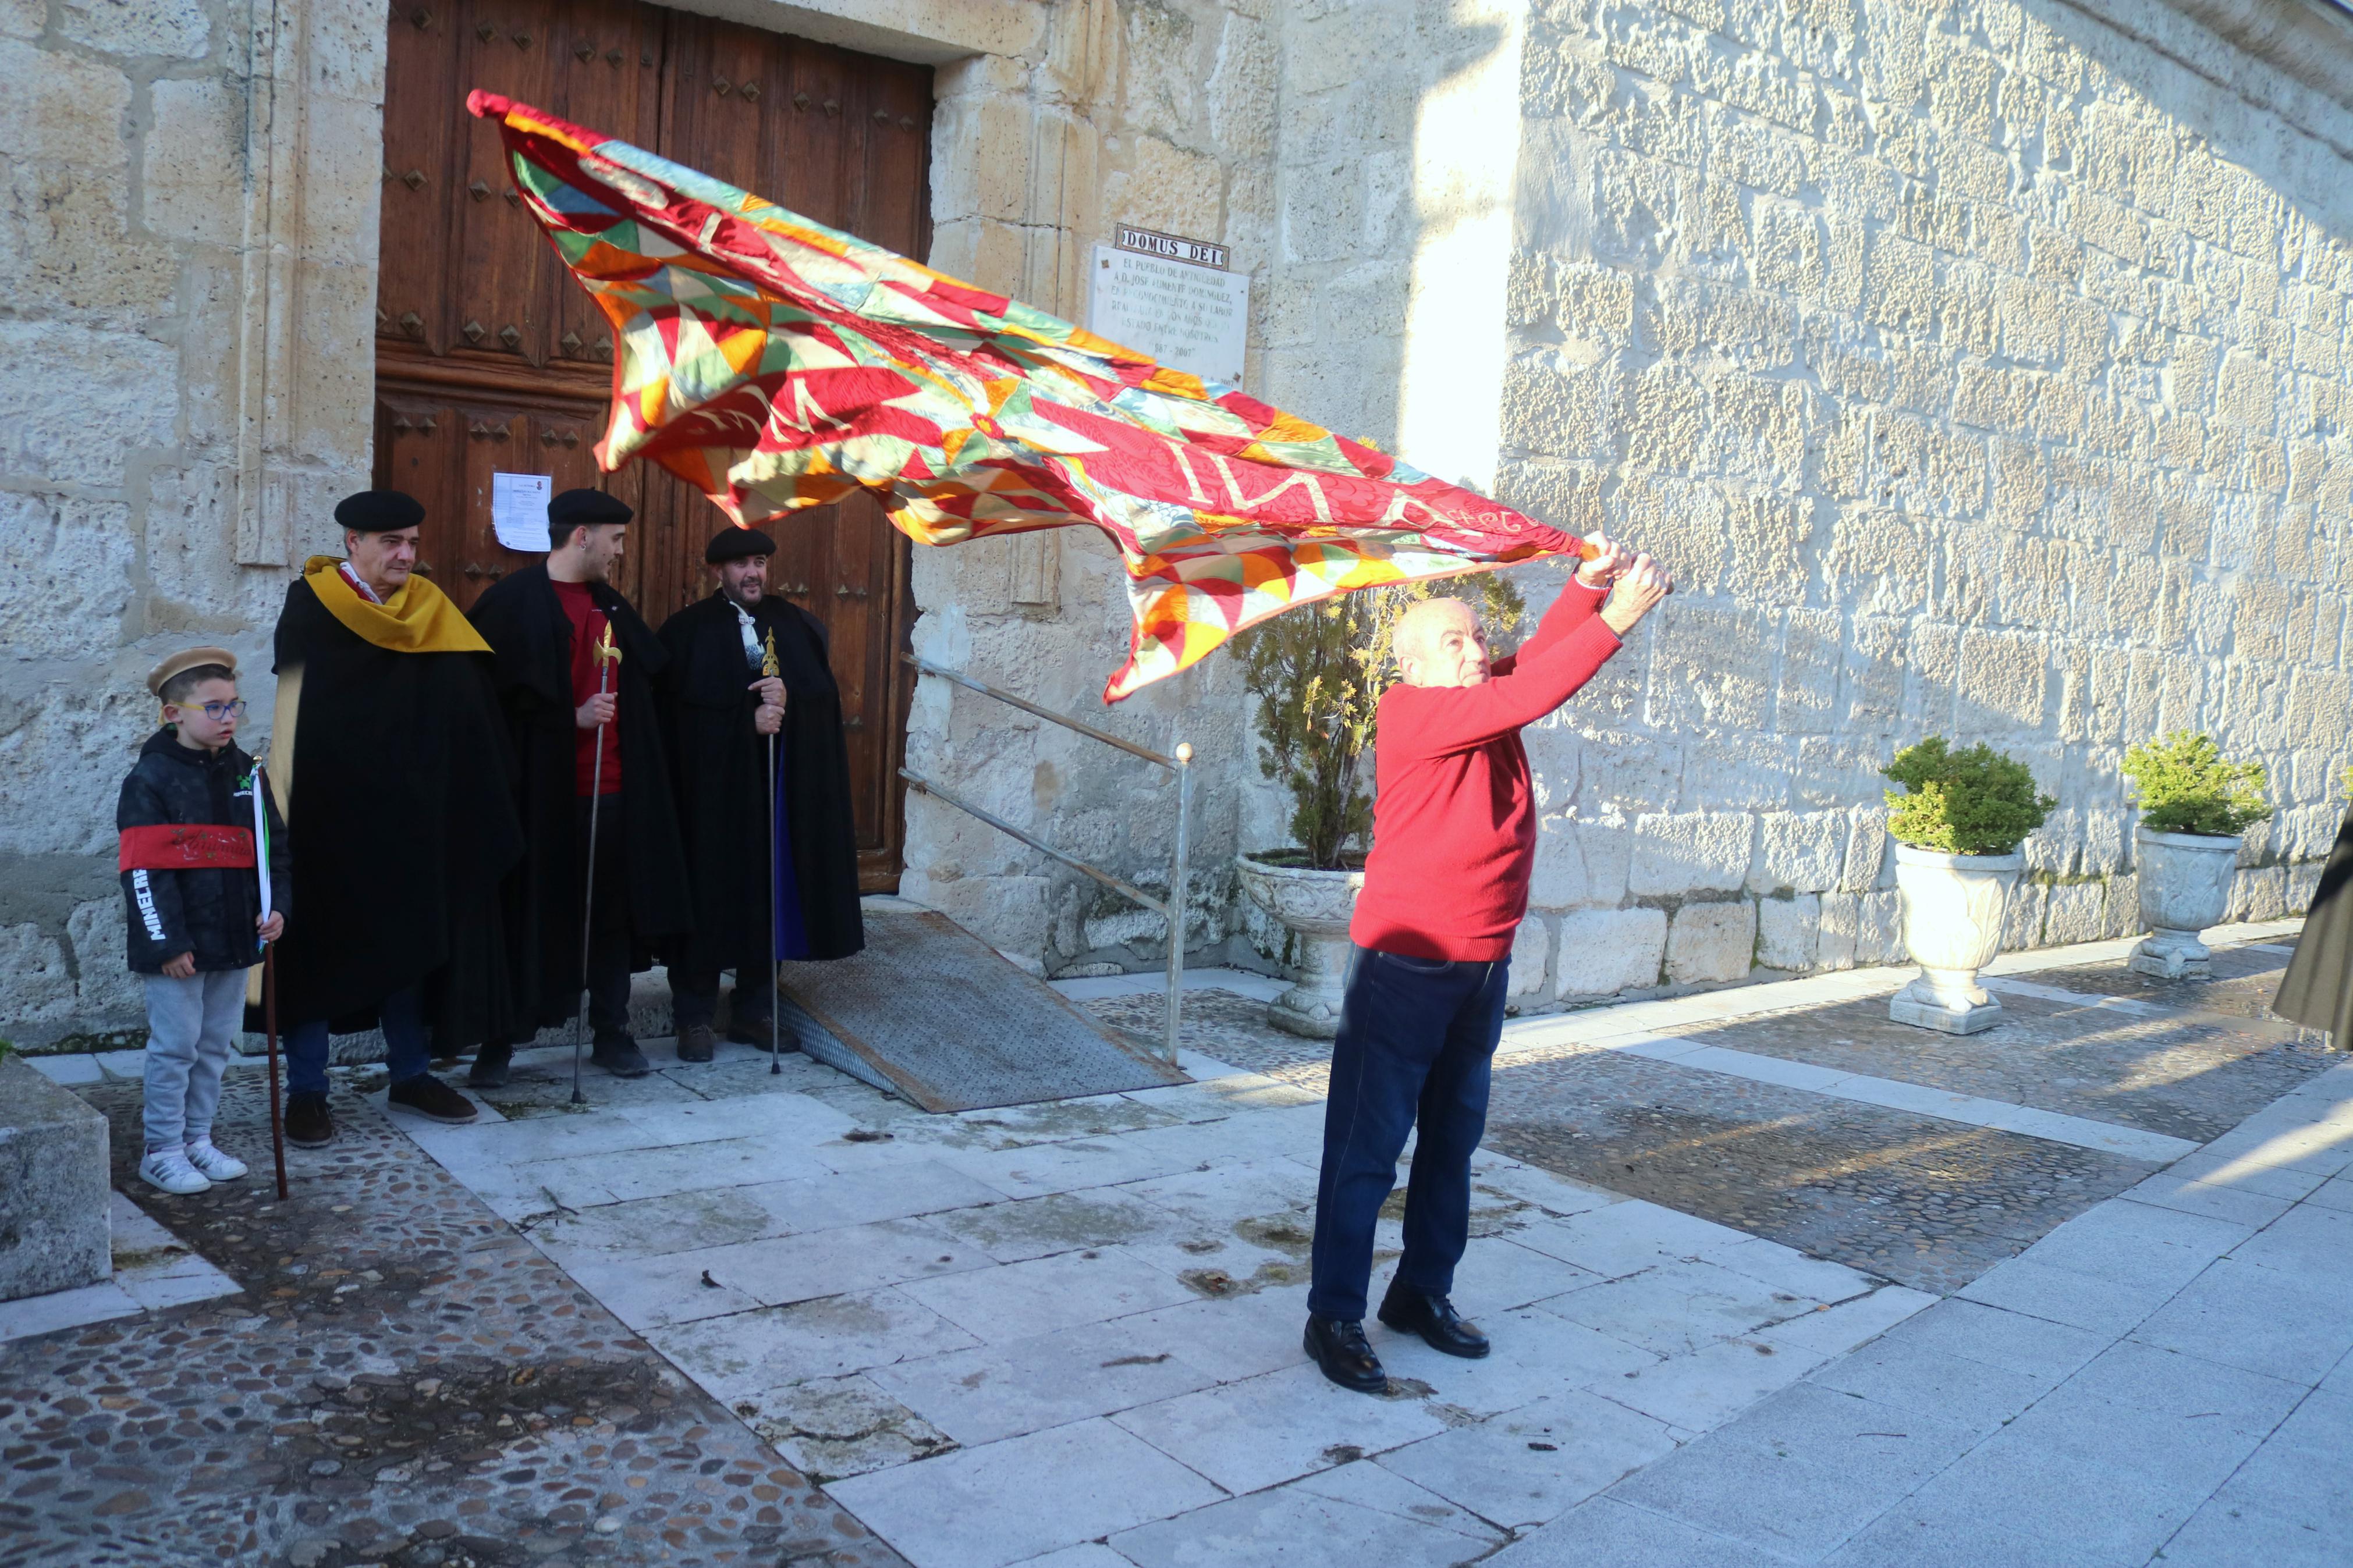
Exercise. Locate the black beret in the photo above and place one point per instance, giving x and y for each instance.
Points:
(575, 508)
(378, 511)
(734, 543)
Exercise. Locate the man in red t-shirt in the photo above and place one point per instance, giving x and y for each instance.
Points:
(1455, 835)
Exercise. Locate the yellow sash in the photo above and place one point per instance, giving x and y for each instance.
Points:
(418, 618)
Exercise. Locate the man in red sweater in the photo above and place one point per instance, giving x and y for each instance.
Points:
(1454, 833)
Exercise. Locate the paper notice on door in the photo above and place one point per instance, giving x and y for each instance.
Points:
(519, 510)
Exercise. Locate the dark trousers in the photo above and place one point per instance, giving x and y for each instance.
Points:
(609, 931)
(1417, 1042)
(695, 992)
(402, 1017)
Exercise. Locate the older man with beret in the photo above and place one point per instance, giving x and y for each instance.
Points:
(588, 754)
(389, 761)
(732, 727)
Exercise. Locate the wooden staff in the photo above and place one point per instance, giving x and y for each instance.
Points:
(270, 1033)
(770, 669)
(606, 656)
(268, 974)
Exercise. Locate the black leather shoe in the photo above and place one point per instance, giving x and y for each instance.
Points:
(428, 1095)
(1412, 1311)
(696, 1044)
(1340, 1348)
(621, 1057)
(754, 1032)
(492, 1064)
(309, 1124)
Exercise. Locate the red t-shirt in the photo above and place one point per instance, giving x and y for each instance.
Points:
(587, 630)
(1454, 821)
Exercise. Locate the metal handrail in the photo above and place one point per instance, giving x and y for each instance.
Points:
(1180, 764)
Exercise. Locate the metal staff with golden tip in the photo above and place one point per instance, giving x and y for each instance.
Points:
(606, 656)
(770, 670)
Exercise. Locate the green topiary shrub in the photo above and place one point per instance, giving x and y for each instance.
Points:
(1976, 802)
(2184, 784)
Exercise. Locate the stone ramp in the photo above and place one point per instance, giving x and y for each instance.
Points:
(933, 1013)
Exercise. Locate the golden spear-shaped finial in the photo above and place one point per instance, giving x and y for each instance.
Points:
(769, 667)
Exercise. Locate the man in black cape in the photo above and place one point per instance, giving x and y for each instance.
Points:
(720, 713)
(2317, 990)
(388, 728)
(572, 744)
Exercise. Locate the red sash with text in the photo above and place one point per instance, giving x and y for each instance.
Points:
(185, 845)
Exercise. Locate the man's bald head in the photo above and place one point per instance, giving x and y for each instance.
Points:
(1439, 642)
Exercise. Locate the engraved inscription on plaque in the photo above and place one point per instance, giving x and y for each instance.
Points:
(1170, 297)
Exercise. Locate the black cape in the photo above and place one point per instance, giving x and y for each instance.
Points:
(530, 637)
(720, 767)
(2317, 990)
(403, 827)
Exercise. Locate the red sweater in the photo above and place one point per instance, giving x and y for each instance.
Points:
(1455, 818)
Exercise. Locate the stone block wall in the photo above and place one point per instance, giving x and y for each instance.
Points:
(1980, 369)
(1161, 115)
(187, 255)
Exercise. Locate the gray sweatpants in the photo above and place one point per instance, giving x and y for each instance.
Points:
(190, 1025)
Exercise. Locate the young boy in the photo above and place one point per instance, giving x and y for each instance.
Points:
(193, 895)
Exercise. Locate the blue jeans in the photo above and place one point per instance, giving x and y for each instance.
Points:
(402, 1016)
(1417, 1042)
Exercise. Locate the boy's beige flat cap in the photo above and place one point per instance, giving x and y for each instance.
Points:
(186, 658)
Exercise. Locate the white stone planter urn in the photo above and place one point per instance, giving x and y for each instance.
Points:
(1315, 906)
(1953, 906)
(2185, 887)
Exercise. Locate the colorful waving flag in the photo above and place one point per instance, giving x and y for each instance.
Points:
(778, 363)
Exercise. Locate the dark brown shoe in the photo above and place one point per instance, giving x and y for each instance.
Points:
(696, 1043)
(309, 1124)
(428, 1095)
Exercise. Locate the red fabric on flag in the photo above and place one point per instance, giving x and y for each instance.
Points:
(777, 363)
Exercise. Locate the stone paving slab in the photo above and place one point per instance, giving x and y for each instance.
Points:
(2161, 1387)
(955, 1292)
(152, 1269)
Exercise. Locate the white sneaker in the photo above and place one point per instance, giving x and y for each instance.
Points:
(215, 1166)
(170, 1170)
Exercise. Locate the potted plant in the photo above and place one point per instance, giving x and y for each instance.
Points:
(2195, 805)
(1318, 674)
(1958, 827)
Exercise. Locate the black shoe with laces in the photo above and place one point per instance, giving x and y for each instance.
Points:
(1339, 1347)
(1412, 1311)
(618, 1055)
(492, 1064)
(309, 1123)
(428, 1095)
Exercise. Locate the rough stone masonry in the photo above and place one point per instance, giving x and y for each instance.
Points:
(1982, 369)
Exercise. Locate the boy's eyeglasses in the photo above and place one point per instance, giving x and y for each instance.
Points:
(219, 712)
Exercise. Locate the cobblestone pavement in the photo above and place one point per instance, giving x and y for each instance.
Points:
(1929, 1203)
(2191, 1074)
(404, 1381)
